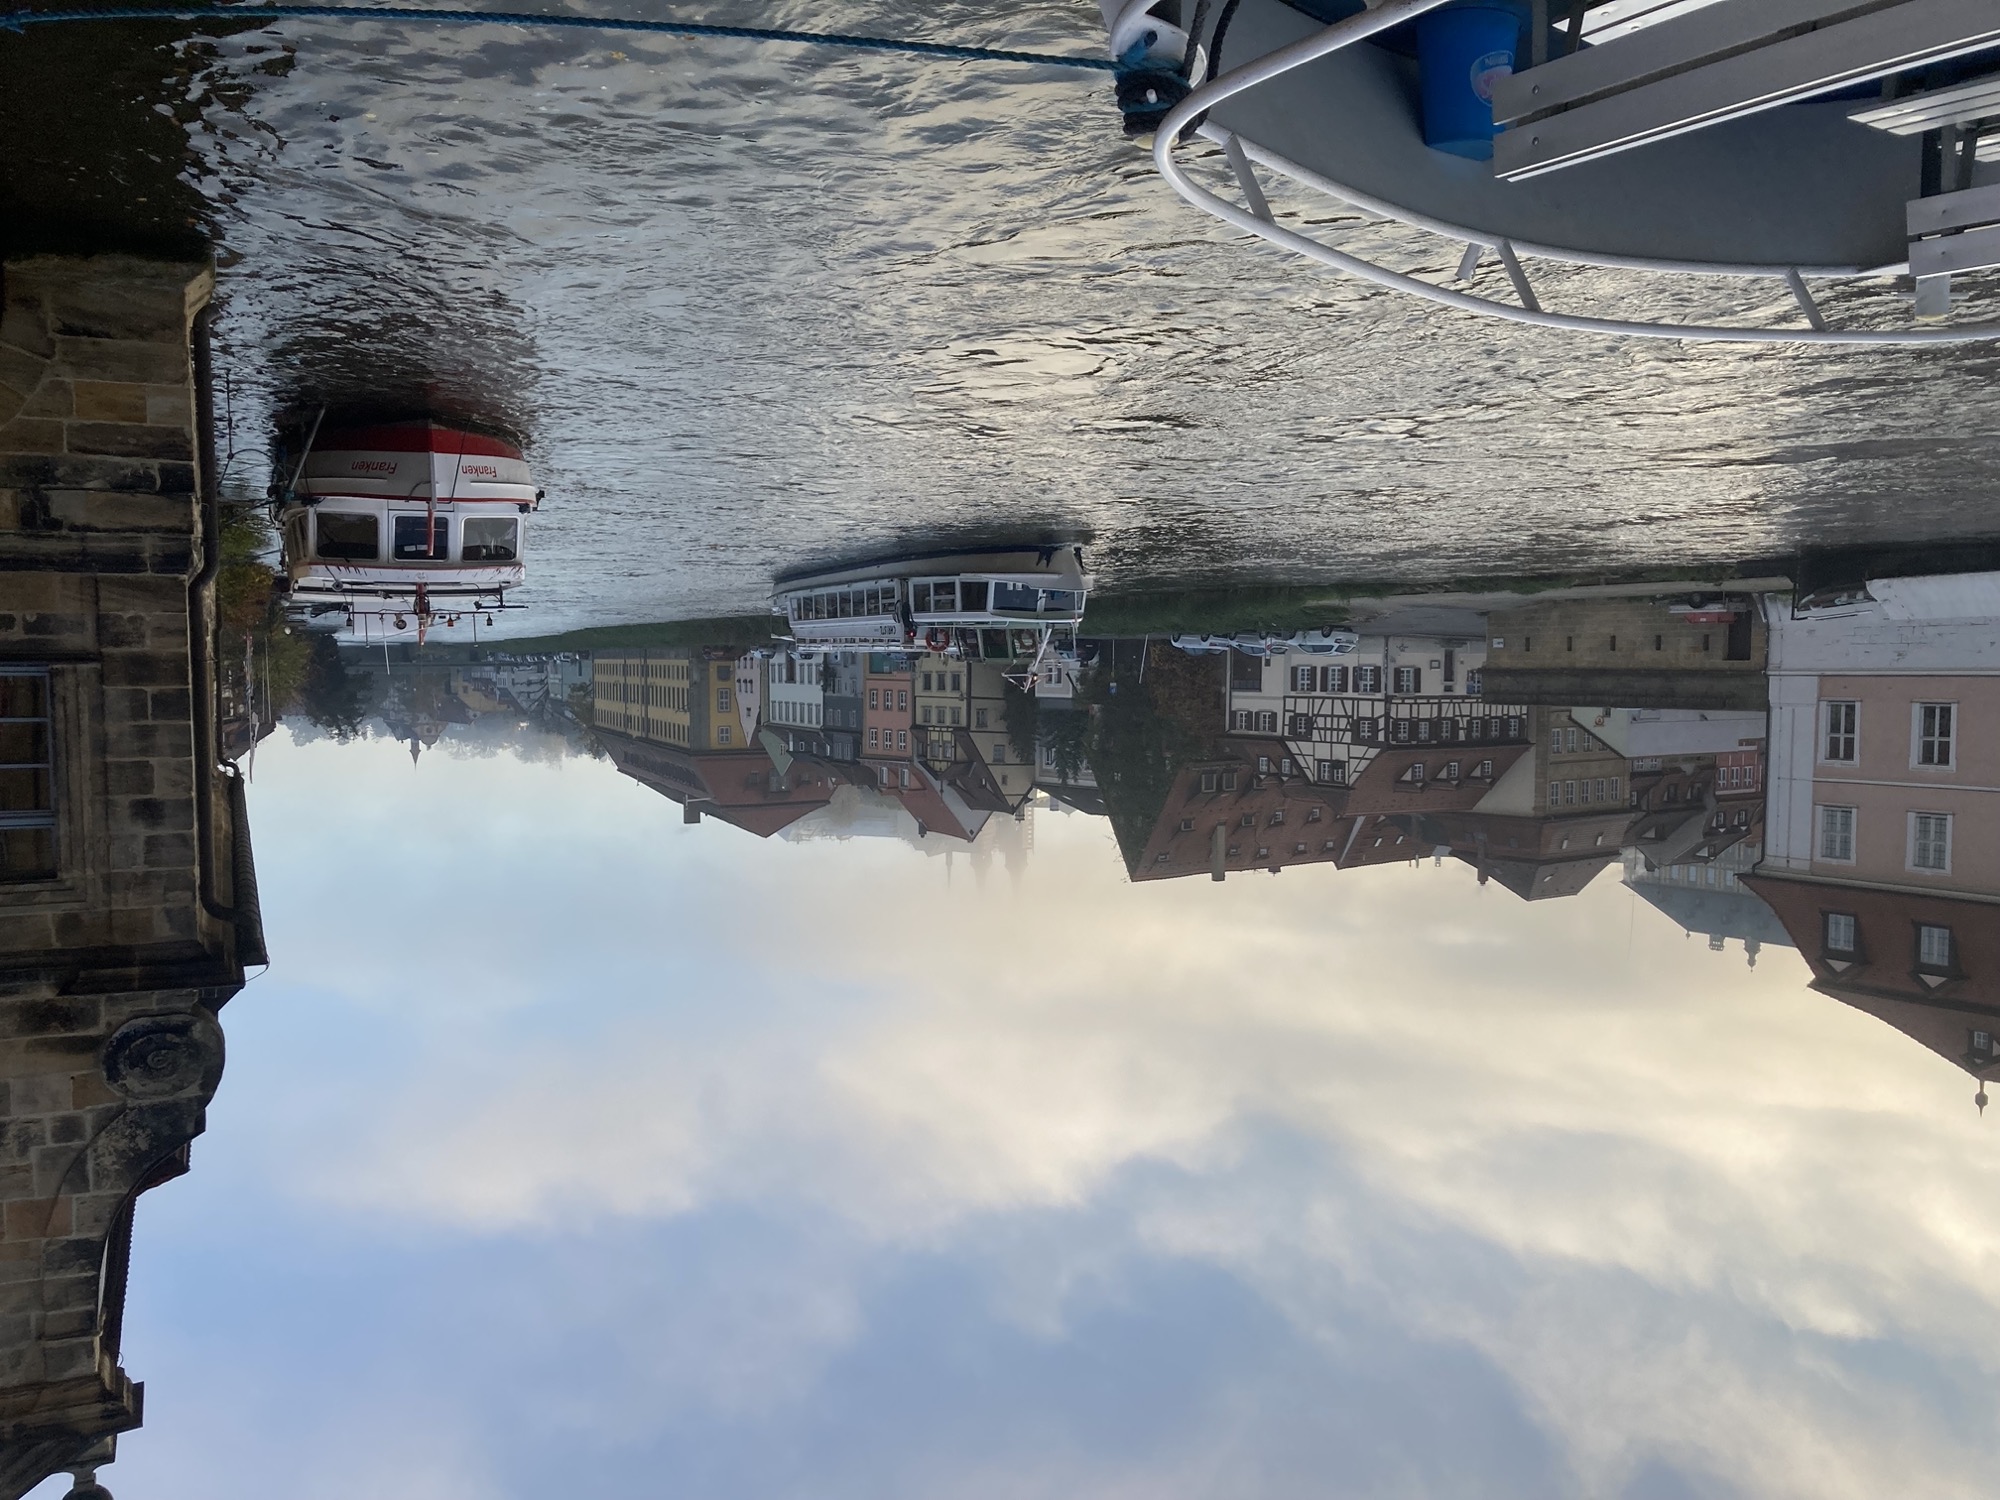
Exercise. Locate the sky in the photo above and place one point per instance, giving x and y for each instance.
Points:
(567, 1147)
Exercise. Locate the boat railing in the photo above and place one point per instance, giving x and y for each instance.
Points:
(1254, 215)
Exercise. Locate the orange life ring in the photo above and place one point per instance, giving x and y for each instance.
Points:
(936, 640)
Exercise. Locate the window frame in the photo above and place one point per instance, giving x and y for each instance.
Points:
(1948, 965)
(1920, 741)
(54, 817)
(1828, 948)
(1852, 734)
(1820, 811)
(1910, 844)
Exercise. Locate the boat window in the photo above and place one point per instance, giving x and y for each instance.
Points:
(920, 597)
(1059, 602)
(846, 605)
(421, 538)
(972, 597)
(344, 536)
(491, 539)
(944, 596)
(1015, 596)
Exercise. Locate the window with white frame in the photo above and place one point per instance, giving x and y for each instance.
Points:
(1934, 947)
(1838, 932)
(1407, 679)
(1934, 733)
(1475, 682)
(27, 777)
(1836, 833)
(1930, 842)
(1840, 731)
(1367, 679)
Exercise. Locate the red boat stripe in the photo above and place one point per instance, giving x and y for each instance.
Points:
(414, 437)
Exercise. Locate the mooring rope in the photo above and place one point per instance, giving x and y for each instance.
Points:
(19, 20)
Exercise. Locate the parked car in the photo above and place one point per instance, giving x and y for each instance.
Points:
(1325, 642)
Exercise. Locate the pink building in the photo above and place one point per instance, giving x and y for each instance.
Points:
(887, 715)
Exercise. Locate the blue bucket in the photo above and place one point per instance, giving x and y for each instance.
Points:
(1461, 50)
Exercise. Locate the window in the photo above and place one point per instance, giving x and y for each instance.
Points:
(1159, 859)
(1267, 721)
(874, 697)
(1451, 770)
(1277, 817)
(489, 539)
(722, 703)
(1934, 948)
(1187, 825)
(1208, 781)
(1408, 679)
(1930, 842)
(925, 713)
(1312, 814)
(902, 698)
(999, 754)
(902, 739)
(956, 679)
(1248, 820)
(1475, 682)
(1367, 679)
(1304, 679)
(1934, 734)
(1263, 851)
(722, 735)
(979, 718)
(1555, 793)
(345, 537)
(1836, 833)
(1572, 742)
(27, 789)
(1263, 765)
(1483, 771)
(1569, 794)
(1229, 781)
(1597, 790)
(874, 739)
(421, 538)
(1556, 742)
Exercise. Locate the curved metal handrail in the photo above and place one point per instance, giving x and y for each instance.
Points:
(1394, 13)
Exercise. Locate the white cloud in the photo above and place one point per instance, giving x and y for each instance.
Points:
(1699, 1199)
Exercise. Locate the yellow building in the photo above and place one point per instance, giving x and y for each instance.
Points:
(682, 696)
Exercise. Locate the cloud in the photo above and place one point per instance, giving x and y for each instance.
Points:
(1684, 1223)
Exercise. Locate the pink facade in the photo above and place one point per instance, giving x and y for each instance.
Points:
(1906, 781)
(887, 713)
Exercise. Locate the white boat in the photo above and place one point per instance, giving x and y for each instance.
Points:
(398, 528)
(1807, 144)
(938, 601)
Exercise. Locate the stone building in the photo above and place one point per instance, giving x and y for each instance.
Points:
(127, 900)
(1640, 653)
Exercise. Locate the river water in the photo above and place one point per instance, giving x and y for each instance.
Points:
(683, 1070)
(757, 305)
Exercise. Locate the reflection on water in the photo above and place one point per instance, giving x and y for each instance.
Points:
(1707, 747)
(573, 1137)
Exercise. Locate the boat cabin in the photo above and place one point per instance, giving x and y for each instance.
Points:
(406, 514)
(1030, 589)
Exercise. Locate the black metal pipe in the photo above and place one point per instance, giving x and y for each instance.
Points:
(201, 645)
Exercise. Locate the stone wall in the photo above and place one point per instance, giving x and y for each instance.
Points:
(1624, 653)
(101, 535)
(113, 968)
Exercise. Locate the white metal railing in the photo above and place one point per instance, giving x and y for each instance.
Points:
(1256, 217)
